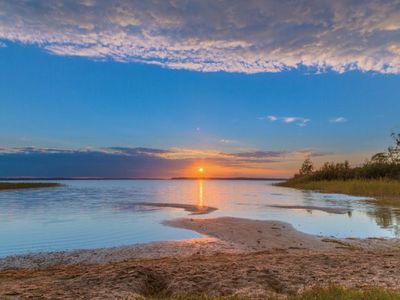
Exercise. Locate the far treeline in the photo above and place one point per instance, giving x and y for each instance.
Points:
(383, 165)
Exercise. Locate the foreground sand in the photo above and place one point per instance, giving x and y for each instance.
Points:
(244, 257)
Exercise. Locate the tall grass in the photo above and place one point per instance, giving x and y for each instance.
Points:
(383, 190)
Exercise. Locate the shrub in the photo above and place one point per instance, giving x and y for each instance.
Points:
(383, 165)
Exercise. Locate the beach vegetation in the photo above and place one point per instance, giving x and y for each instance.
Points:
(378, 177)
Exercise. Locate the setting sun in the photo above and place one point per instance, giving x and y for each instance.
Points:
(201, 170)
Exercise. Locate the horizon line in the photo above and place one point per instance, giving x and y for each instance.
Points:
(142, 178)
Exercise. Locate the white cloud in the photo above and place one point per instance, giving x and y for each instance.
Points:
(206, 35)
(338, 120)
(303, 122)
(227, 141)
(289, 119)
(299, 121)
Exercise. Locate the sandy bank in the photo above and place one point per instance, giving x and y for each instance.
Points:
(251, 274)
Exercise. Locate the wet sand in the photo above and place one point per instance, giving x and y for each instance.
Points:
(155, 250)
(240, 257)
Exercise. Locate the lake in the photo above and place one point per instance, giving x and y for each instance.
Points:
(86, 214)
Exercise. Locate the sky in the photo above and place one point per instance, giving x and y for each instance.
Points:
(96, 88)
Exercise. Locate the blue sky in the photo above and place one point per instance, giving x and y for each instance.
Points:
(63, 97)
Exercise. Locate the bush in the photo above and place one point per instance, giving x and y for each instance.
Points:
(384, 165)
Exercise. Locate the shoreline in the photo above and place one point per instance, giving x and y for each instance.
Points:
(241, 257)
(142, 251)
(220, 235)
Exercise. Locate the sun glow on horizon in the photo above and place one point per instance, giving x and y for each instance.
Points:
(201, 170)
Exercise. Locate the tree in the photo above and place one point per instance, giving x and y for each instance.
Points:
(379, 158)
(307, 167)
(394, 151)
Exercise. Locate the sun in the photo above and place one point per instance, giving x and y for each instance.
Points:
(201, 170)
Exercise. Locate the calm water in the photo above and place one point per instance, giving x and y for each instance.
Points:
(92, 214)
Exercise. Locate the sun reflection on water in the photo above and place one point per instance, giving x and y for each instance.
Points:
(200, 202)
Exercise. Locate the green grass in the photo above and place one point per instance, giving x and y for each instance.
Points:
(333, 293)
(384, 191)
(26, 185)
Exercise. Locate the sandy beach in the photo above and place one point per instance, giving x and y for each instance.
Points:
(236, 257)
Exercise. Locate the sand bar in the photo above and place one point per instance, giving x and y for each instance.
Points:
(248, 234)
(330, 210)
(193, 209)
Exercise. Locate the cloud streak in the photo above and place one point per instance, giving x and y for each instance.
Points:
(299, 121)
(206, 35)
(139, 161)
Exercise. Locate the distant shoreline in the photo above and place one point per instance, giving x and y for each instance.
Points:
(228, 178)
(138, 178)
(24, 185)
